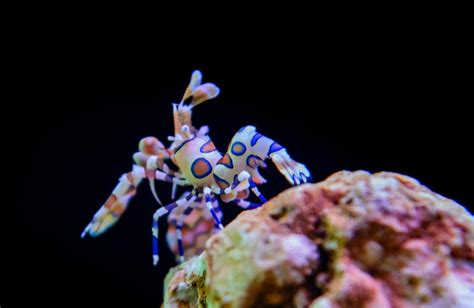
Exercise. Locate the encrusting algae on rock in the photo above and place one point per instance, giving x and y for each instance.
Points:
(353, 240)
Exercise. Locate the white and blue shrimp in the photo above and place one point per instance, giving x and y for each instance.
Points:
(231, 176)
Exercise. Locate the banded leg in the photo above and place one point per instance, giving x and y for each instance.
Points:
(207, 195)
(167, 175)
(217, 209)
(162, 176)
(255, 190)
(151, 156)
(161, 212)
(179, 228)
(246, 205)
(115, 205)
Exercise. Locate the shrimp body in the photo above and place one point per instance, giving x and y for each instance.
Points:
(231, 176)
(197, 158)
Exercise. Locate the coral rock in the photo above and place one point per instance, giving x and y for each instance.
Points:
(353, 240)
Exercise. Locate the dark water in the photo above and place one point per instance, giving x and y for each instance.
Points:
(66, 152)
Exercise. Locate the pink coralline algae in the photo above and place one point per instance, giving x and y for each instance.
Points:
(353, 240)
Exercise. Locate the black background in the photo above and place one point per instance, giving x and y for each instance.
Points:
(398, 107)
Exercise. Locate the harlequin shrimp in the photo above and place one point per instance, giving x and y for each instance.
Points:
(211, 174)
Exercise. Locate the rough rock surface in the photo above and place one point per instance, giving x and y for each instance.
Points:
(353, 240)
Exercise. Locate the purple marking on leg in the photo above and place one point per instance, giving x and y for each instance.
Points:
(236, 181)
(253, 205)
(188, 211)
(213, 213)
(262, 198)
(180, 247)
(252, 184)
(155, 246)
(171, 206)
